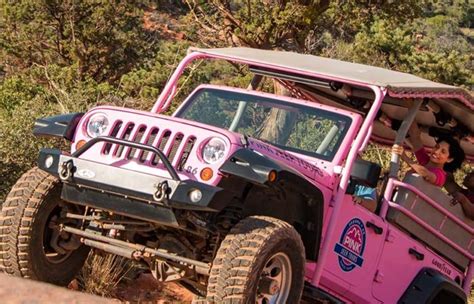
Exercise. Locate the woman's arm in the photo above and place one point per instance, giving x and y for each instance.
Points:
(450, 185)
(369, 204)
(421, 170)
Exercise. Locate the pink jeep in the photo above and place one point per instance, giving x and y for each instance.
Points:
(243, 196)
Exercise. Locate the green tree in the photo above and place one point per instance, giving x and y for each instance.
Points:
(433, 48)
(419, 37)
(102, 39)
(290, 25)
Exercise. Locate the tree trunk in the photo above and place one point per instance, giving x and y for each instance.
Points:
(279, 123)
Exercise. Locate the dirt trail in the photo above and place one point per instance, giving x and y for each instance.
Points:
(145, 289)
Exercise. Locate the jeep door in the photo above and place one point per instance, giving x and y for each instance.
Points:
(355, 252)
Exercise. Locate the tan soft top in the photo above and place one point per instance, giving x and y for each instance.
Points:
(397, 83)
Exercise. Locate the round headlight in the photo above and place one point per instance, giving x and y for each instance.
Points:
(97, 125)
(213, 151)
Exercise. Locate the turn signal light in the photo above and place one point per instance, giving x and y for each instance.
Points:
(272, 176)
(80, 144)
(206, 174)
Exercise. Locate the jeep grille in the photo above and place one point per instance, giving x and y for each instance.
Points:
(175, 145)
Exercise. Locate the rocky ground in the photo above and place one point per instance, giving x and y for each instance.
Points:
(145, 289)
(16, 290)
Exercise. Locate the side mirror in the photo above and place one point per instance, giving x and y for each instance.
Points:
(365, 173)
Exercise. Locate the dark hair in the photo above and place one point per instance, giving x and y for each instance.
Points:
(455, 152)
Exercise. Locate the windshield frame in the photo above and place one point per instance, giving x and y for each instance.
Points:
(285, 101)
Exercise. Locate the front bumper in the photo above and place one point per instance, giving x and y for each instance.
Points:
(124, 191)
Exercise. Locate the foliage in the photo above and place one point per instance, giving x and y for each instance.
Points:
(461, 10)
(22, 101)
(58, 57)
(419, 37)
(433, 48)
(102, 39)
(14, 91)
(145, 81)
(290, 25)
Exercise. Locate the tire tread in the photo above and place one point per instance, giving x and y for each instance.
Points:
(232, 268)
(18, 211)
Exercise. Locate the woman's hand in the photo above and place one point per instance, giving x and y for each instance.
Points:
(397, 149)
(421, 170)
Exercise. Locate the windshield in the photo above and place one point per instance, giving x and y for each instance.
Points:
(293, 127)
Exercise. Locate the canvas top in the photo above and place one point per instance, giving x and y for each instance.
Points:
(397, 83)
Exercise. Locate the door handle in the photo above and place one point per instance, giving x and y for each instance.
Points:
(377, 229)
(418, 255)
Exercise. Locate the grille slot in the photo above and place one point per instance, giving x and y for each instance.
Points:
(175, 146)
(137, 138)
(113, 133)
(161, 145)
(188, 146)
(151, 139)
(164, 140)
(125, 135)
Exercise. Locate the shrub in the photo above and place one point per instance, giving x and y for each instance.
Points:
(102, 273)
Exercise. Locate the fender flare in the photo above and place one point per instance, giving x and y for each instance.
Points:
(63, 126)
(428, 285)
(254, 167)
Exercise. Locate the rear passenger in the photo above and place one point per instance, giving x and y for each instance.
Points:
(431, 166)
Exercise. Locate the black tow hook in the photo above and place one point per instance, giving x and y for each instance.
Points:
(65, 173)
(162, 192)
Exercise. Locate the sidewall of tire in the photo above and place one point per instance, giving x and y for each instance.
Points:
(42, 269)
(291, 249)
(25, 213)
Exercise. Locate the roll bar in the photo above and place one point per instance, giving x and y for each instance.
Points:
(401, 134)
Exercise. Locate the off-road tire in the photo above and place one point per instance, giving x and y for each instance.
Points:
(239, 262)
(22, 224)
